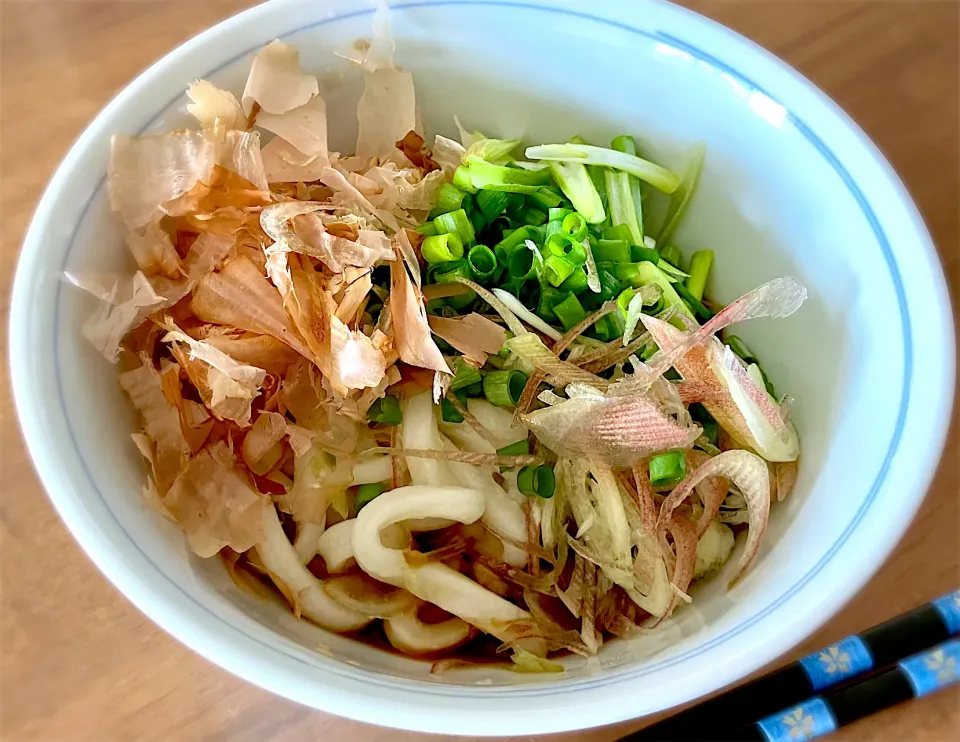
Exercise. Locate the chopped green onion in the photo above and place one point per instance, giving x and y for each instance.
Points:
(483, 175)
(610, 327)
(576, 184)
(496, 151)
(520, 264)
(640, 254)
(442, 248)
(569, 311)
(618, 232)
(557, 269)
(700, 264)
(448, 273)
(474, 390)
(611, 251)
(577, 283)
(547, 198)
(648, 273)
(503, 388)
(492, 203)
(557, 213)
(585, 154)
(458, 223)
(537, 480)
(520, 448)
(629, 209)
(681, 197)
(482, 262)
(449, 198)
(623, 301)
(668, 469)
(463, 181)
(672, 254)
(366, 493)
(386, 410)
(464, 374)
(429, 229)
(574, 226)
(449, 413)
(516, 239)
(548, 297)
(564, 246)
(610, 286)
(534, 216)
(699, 310)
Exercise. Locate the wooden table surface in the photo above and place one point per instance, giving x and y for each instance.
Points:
(77, 662)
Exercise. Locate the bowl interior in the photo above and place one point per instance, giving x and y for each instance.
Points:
(772, 202)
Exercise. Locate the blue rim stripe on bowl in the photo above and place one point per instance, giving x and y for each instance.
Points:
(821, 147)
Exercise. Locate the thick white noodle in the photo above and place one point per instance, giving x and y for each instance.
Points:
(410, 635)
(433, 582)
(279, 557)
(336, 544)
(500, 512)
(305, 544)
(370, 469)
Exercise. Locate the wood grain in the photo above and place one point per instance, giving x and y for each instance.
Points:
(80, 663)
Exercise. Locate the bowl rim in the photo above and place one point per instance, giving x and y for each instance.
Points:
(236, 654)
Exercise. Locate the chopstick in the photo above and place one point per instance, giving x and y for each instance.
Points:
(873, 649)
(911, 678)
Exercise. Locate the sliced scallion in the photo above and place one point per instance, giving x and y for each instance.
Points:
(585, 154)
(577, 283)
(386, 410)
(611, 251)
(442, 248)
(492, 203)
(700, 263)
(456, 222)
(640, 254)
(503, 388)
(520, 448)
(367, 493)
(570, 311)
(576, 184)
(557, 270)
(449, 198)
(574, 225)
(668, 469)
(537, 480)
(464, 374)
(482, 262)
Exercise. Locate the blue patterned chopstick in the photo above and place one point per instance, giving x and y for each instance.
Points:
(795, 686)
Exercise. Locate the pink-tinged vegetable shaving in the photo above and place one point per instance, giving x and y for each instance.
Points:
(778, 298)
(749, 473)
(786, 478)
(711, 490)
(474, 335)
(705, 365)
(615, 430)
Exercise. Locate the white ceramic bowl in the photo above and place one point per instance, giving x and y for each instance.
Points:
(791, 186)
